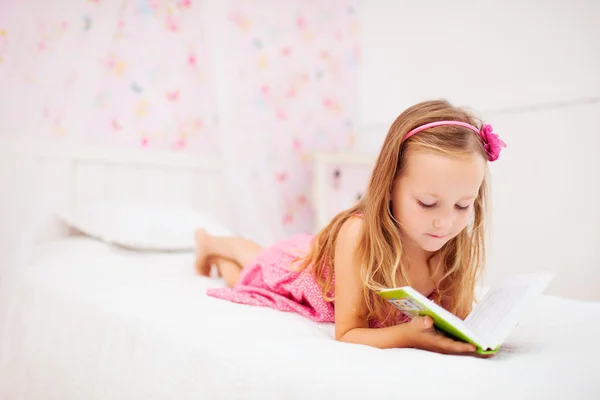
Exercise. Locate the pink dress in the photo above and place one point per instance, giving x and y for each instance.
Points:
(268, 281)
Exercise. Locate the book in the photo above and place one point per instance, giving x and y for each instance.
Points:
(491, 320)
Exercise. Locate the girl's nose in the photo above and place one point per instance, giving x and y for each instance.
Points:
(443, 222)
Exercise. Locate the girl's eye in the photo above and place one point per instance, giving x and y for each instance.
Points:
(425, 205)
(458, 207)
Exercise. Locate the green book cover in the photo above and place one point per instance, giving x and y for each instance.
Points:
(491, 320)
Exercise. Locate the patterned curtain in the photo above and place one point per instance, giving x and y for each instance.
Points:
(263, 83)
(287, 79)
(125, 73)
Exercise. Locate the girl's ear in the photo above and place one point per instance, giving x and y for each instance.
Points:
(388, 195)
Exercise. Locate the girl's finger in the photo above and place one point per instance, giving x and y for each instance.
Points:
(454, 346)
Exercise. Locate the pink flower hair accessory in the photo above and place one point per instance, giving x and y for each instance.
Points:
(491, 142)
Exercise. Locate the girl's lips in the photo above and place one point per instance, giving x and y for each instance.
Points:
(436, 236)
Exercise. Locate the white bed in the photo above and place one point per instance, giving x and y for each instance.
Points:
(87, 320)
(91, 321)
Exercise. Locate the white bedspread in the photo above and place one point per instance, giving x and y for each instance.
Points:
(89, 321)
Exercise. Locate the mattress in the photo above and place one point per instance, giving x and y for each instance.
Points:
(89, 321)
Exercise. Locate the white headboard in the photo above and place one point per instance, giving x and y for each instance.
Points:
(339, 179)
(79, 174)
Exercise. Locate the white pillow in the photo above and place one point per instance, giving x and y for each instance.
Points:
(141, 226)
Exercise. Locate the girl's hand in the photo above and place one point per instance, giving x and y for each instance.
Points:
(425, 337)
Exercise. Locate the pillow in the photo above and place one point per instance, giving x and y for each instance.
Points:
(141, 226)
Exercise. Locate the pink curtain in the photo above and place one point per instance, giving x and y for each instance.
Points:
(286, 74)
(263, 83)
(110, 72)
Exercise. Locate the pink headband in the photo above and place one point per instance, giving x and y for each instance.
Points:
(493, 145)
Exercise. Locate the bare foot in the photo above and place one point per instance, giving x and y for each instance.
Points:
(228, 270)
(203, 261)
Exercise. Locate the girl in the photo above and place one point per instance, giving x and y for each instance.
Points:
(420, 223)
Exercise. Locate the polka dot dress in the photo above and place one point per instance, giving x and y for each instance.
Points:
(268, 281)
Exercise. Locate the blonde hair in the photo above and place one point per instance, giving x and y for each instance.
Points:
(380, 247)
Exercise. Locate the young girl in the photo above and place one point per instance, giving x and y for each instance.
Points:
(420, 223)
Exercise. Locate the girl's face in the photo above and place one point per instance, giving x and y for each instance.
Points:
(433, 198)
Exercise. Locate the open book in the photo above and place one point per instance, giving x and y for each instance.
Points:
(491, 320)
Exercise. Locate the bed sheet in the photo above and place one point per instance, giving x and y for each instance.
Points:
(89, 321)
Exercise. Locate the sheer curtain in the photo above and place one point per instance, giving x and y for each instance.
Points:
(18, 229)
(116, 73)
(264, 84)
(284, 78)
(39, 105)
(254, 202)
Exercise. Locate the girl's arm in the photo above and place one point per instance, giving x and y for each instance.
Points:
(351, 324)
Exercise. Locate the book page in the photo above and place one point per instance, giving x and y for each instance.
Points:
(498, 312)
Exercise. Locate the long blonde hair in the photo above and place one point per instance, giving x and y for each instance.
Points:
(380, 247)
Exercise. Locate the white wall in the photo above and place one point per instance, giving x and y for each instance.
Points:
(530, 68)
(490, 55)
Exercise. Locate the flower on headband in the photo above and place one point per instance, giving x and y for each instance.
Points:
(491, 142)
